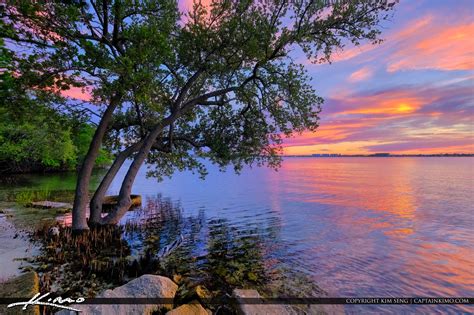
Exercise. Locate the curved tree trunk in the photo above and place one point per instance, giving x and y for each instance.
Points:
(81, 198)
(98, 198)
(124, 201)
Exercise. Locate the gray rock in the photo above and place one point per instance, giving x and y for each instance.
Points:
(54, 231)
(45, 204)
(258, 309)
(281, 309)
(146, 286)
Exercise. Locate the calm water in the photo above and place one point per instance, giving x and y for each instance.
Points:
(384, 227)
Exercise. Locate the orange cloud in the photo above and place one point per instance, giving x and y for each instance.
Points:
(361, 75)
(358, 113)
(468, 148)
(412, 120)
(329, 131)
(389, 103)
(389, 107)
(187, 5)
(342, 147)
(409, 30)
(361, 147)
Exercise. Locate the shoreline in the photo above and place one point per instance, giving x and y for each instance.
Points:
(15, 247)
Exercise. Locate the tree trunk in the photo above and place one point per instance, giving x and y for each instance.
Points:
(81, 198)
(97, 200)
(124, 201)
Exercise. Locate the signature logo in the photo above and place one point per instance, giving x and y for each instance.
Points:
(56, 302)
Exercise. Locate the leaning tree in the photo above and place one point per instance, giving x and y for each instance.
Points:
(108, 47)
(220, 83)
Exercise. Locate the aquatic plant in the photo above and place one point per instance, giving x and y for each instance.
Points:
(25, 197)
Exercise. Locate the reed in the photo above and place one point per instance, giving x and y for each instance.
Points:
(25, 197)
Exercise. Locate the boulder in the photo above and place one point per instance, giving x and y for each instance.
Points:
(193, 308)
(146, 286)
(24, 286)
(257, 309)
(46, 204)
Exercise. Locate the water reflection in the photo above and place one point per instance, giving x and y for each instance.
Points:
(391, 227)
(373, 185)
(357, 226)
(217, 255)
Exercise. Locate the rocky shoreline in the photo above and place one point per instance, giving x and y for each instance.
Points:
(153, 287)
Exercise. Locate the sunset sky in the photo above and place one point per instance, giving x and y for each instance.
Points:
(412, 94)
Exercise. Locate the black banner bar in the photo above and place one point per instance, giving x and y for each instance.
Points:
(289, 300)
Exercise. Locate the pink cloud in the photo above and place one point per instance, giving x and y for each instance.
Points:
(428, 42)
(187, 5)
(413, 27)
(361, 74)
(438, 47)
(77, 93)
(349, 53)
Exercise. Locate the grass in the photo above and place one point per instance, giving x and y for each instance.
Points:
(27, 196)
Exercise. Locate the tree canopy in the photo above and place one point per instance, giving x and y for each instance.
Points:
(219, 83)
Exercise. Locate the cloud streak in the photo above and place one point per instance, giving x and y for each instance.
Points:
(361, 75)
(436, 47)
(414, 93)
(422, 43)
(399, 119)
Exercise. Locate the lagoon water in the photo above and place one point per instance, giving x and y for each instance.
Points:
(357, 227)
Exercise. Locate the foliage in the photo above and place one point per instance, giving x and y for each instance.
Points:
(65, 48)
(225, 70)
(31, 133)
(34, 136)
(34, 133)
(237, 84)
(220, 83)
(82, 139)
(40, 138)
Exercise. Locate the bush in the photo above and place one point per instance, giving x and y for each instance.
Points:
(35, 135)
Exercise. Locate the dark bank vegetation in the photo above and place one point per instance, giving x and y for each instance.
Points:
(35, 136)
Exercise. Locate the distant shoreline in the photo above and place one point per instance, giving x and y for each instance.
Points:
(382, 156)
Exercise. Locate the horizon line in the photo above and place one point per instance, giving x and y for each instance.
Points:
(375, 154)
